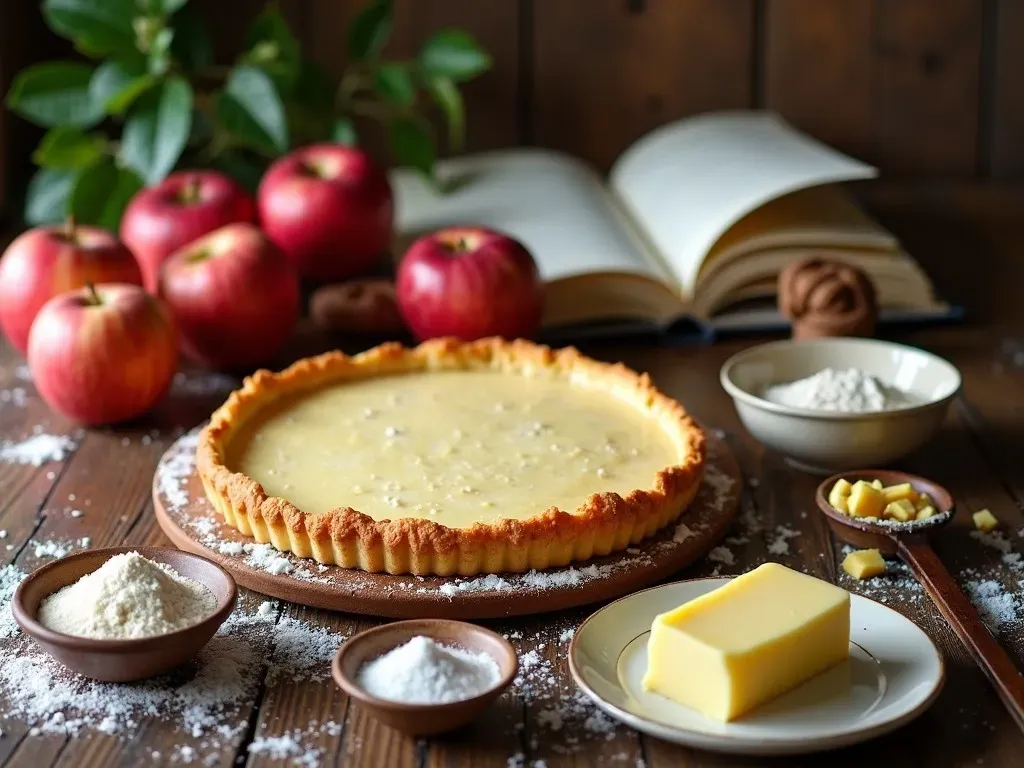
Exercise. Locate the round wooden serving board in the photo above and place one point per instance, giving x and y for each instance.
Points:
(190, 522)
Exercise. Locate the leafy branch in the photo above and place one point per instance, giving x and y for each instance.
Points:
(153, 100)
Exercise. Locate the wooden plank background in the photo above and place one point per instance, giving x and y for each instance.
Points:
(926, 89)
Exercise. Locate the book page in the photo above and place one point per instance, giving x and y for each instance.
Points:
(555, 205)
(686, 183)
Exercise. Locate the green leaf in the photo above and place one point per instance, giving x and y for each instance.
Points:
(66, 148)
(98, 27)
(412, 145)
(46, 199)
(101, 194)
(159, 57)
(251, 110)
(271, 45)
(454, 53)
(157, 129)
(392, 83)
(55, 93)
(116, 84)
(446, 95)
(370, 30)
(161, 7)
(344, 132)
(191, 46)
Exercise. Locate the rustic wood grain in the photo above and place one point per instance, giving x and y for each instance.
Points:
(926, 59)
(814, 51)
(1006, 160)
(603, 78)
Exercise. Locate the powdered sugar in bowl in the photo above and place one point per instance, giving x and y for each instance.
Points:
(835, 404)
(425, 676)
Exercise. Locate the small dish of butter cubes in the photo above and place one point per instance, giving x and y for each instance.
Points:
(875, 502)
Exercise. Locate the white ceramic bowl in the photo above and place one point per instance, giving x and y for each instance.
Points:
(834, 441)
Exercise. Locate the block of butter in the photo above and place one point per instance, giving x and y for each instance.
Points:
(758, 636)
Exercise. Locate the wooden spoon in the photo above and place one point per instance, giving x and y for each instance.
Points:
(910, 543)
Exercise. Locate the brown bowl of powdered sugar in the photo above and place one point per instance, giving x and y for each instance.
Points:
(124, 613)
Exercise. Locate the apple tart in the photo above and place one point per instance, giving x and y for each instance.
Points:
(450, 458)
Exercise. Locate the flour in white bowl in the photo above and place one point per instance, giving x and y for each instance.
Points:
(848, 390)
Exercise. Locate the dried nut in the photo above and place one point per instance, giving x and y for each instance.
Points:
(358, 307)
(826, 298)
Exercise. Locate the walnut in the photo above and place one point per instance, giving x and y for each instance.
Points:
(825, 298)
(357, 307)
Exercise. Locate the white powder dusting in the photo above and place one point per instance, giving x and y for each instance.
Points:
(37, 449)
(16, 396)
(301, 651)
(722, 555)
(175, 469)
(778, 544)
(127, 597)
(206, 700)
(996, 606)
(993, 539)
(423, 671)
(848, 390)
(266, 558)
(10, 578)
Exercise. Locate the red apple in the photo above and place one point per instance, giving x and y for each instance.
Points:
(186, 205)
(469, 283)
(234, 297)
(46, 261)
(329, 208)
(102, 355)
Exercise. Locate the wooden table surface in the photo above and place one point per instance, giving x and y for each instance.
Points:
(977, 456)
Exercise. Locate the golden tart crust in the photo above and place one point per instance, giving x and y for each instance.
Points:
(604, 523)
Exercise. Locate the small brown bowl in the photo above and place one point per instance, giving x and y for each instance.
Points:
(865, 533)
(422, 719)
(119, 661)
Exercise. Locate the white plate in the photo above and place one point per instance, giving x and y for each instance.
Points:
(895, 672)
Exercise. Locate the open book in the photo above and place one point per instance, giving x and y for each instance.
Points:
(696, 221)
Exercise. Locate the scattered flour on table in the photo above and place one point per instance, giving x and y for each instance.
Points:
(993, 539)
(175, 469)
(127, 597)
(16, 396)
(37, 449)
(995, 604)
(58, 549)
(206, 701)
(423, 671)
(778, 542)
(722, 555)
(848, 390)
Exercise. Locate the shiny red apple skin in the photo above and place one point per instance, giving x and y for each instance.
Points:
(46, 261)
(234, 297)
(329, 208)
(161, 219)
(106, 362)
(469, 283)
